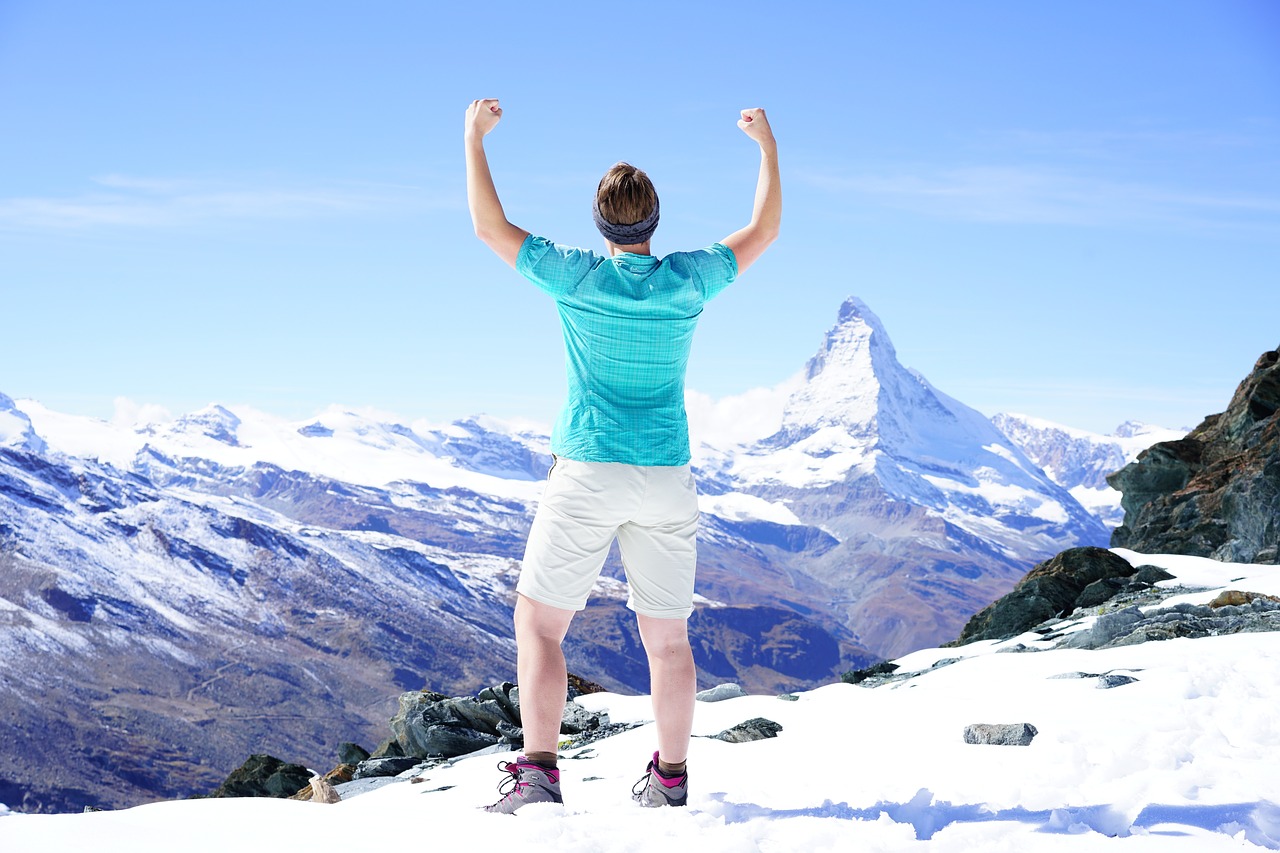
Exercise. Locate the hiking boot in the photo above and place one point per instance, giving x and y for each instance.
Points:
(654, 789)
(529, 783)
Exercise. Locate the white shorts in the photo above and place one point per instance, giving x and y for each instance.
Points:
(653, 512)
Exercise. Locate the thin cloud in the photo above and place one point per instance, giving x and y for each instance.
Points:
(122, 201)
(1014, 194)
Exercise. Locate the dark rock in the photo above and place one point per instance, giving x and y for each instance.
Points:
(264, 775)
(1151, 575)
(351, 753)
(373, 767)
(389, 748)
(757, 728)
(1100, 592)
(579, 686)
(1106, 682)
(1052, 588)
(1000, 734)
(449, 741)
(857, 676)
(1216, 492)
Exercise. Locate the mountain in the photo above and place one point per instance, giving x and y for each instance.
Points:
(1080, 461)
(933, 512)
(231, 582)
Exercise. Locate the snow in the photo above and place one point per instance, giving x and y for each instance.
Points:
(1182, 759)
(365, 447)
(736, 506)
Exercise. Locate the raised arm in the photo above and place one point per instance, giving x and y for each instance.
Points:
(749, 243)
(482, 197)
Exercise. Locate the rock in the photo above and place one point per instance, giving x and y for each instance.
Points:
(1151, 575)
(1236, 598)
(351, 753)
(788, 697)
(757, 728)
(1100, 592)
(1052, 588)
(389, 748)
(1216, 492)
(721, 692)
(323, 792)
(337, 776)
(858, 676)
(264, 775)
(507, 695)
(1000, 734)
(577, 719)
(373, 767)
(1106, 682)
(579, 686)
(1112, 625)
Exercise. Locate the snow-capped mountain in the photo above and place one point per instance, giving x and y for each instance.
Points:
(930, 507)
(160, 578)
(1079, 460)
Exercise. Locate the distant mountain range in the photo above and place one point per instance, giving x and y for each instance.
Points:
(175, 596)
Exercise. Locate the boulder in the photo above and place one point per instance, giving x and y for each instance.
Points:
(1052, 588)
(1000, 734)
(372, 767)
(1216, 492)
(264, 775)
(757, 728)
(721, 692)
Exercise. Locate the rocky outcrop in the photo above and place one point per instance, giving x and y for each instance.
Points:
(264, 775)
(1000, 734)
(1215, 493)
(1053, 588)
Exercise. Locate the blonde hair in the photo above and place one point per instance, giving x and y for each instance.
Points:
(625, 195)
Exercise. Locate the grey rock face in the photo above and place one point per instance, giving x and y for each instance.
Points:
(351, 753)
(373, 767)
(1215, 493)
(1000, 734)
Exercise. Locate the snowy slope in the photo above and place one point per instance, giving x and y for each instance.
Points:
(1079, 460)
(1181, 759)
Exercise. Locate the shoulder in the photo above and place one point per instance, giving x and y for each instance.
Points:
(555, 266)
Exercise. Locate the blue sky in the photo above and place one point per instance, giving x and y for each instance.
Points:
(1070, 210)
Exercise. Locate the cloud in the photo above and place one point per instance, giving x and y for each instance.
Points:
(133, 415)
(1039, 195)
(122, 201)
(740, 419)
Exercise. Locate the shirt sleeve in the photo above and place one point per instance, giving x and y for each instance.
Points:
(555, 269)
(715, 268)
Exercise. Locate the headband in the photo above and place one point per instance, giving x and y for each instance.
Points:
(626, 235)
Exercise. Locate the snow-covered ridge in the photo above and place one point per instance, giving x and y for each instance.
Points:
(1079, 460)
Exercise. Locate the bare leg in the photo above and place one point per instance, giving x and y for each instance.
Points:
(672, 681)
(540, 670)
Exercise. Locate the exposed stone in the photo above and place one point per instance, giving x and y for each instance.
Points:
(1216, 492)
(389, 748)
(337, 776)
(757, 728)
(1236, 598)
(1151, 575)
(857, 676)
(721, 692)
(264, 775)
(1100, 592)
(1000, 734)
(579, 686)
(372, 767)
(351, 753)
(1052, 588)
(323, 792)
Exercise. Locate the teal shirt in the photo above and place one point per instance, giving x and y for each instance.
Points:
(628, 325)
